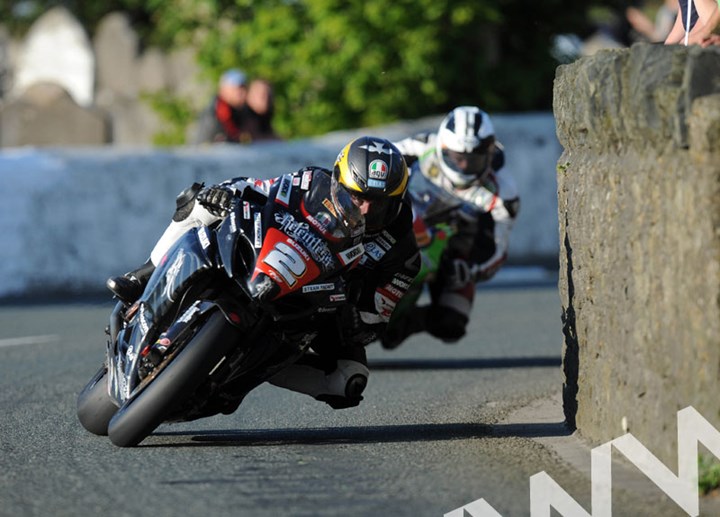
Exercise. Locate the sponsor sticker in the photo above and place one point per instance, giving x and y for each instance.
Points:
(385, 244)
(378, 170)
(400, 284)
(301, 232)
(376, 183)
(188, 314)
(203, 237)
(172, 273)
(314, 288)
(283, 195)
(331, 208)
(306, 177)
(393, 292)
(258, 230)
(143, 320)
(405, 277)
(351, 254)
(374, 251)
(389, 237)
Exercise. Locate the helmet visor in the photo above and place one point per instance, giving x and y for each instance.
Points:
(378, 211)
(345, 205)
(470, 164)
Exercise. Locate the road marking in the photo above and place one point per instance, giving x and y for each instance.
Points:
(30, 340)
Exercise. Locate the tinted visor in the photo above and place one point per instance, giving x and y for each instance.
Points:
(474, 164)
(345, 205)
(379, 211)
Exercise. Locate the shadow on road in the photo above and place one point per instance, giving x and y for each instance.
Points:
(370, 434)
(465, 364)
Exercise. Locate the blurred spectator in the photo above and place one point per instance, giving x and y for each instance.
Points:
(713, 39)
(704, 17)
(612, 30)
(261, 109)
(653, 31)
(705, 36)
(226, 119)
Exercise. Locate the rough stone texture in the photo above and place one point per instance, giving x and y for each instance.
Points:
(116, 47)
(133, 123)
(57, 49)
(47, 115)
(152, 71)
(639, 214)
(74, 216)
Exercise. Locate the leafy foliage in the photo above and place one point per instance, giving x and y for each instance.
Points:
(353, 63)
(708, 475)
(176, 114)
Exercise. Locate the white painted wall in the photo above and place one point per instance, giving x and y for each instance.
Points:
(69, 218)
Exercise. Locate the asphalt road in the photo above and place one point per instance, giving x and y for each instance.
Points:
(432, 434)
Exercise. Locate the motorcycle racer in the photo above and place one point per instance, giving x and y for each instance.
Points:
(374, 174)
(466, 160)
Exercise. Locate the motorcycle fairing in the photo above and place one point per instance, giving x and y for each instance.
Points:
(430, 200)
(286, 262)
(188, 259)
(295, 246)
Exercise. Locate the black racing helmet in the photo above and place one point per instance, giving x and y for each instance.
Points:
(375, 174)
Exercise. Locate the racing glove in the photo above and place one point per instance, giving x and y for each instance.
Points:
(217, 200)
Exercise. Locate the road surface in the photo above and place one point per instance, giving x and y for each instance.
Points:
(434, 433)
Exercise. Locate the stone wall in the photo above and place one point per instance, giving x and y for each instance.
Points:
(639, 217)
(74, 216)
(107, 76)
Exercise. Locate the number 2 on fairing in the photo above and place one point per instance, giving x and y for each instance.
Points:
(287, 262)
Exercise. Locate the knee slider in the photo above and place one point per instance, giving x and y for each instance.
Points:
(355, 386)
(185, 202)
(346, 384)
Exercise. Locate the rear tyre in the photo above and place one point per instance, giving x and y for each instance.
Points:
(134, 421)
(95, 407)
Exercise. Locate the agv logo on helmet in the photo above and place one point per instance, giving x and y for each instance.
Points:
(377, 174)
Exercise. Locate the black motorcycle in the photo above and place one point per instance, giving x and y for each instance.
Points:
(228, 307)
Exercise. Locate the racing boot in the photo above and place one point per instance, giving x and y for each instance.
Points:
(413, 322)
(131, 285)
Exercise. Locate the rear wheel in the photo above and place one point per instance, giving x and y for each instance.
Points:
(176, 381)
(95, 407)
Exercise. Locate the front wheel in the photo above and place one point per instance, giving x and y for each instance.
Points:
(95, 407)
(139, 417)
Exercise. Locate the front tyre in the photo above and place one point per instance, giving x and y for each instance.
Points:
(139, 417)
(95, 407)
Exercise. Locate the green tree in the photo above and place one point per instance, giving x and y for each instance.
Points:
(349, 63)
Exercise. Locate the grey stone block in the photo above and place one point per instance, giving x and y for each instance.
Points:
(638, 207)
(47, 115)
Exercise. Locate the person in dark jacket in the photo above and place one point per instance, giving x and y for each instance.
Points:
(227, 117)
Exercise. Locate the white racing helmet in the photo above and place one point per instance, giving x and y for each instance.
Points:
(465, 145)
